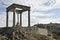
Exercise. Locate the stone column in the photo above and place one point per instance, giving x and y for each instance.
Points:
(20, 18)
(28, 18)
(13, 18)
(6, 18)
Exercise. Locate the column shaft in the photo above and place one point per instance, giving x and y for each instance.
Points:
(17, 18)
(20, 19)
(13, 18)
(6, 19)
(29, 18)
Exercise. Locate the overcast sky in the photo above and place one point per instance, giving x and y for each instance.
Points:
(42, 11)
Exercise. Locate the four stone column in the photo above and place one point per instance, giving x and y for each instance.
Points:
(28, 18)
(18, 18)
(6, 18)
(13, 18)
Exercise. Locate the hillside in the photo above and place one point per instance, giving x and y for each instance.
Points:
(28, 37)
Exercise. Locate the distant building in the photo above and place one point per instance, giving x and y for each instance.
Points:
(49, 29)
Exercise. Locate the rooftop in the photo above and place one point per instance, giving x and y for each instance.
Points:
(14, 6)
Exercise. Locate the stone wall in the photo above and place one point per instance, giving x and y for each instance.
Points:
(37, 30)
(42, 31)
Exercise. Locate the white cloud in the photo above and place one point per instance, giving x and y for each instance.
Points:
(57, 4)
(42, 14)
(35, 19)
(2, 20)
(35, 5)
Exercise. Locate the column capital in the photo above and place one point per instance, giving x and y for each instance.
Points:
(20, 12)
(6, 10)
(29, 10)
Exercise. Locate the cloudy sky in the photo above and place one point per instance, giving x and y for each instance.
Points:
(42, 11)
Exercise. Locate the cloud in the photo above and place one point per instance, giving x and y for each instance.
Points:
(42, 14)
(49, 3)
(34, 4)
(2, 20)
(57, 4)
(39, 9)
